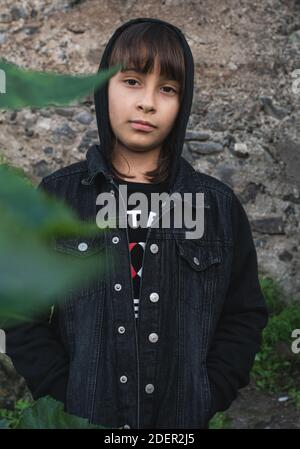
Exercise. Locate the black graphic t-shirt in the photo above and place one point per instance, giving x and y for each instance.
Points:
(137, 235)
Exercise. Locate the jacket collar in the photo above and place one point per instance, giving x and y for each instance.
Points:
(186, 180)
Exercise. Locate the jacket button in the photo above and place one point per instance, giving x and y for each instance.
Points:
(153, 337)
(123, 379)
(121, 329)
(196, 260)
(149, 388)
(115, 239)
(112, 192)
(118, 287)
(154, 297)
(153, 248)
(82, 246)
(126, 426)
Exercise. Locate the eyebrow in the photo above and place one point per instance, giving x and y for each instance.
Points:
(136, 69)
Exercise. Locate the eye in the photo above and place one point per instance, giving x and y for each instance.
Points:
(165, 87)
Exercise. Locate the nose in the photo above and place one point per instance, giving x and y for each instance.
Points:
(147, 101)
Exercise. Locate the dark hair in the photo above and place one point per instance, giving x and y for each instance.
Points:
(161, 42)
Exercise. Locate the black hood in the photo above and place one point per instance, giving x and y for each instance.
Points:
(101, 96)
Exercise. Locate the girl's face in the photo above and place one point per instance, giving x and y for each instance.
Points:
(135, 96)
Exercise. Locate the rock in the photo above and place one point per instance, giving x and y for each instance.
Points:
(240, 149)
(295, 37)
(3, 38)
(65, 112)
(205, 147)
(48, 150)
(64, 131)
(260, 243)
(268, 225)
(232, 66)
(5, 17)
(44, 124)
(41, 168)
(289, 152)
(285, 256)
(18, 13)
(250, 192)
(91, 136)
(225, 173)
(196, 135)
(85, 118)
(274, 111)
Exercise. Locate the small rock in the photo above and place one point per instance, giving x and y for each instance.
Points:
(18, 13)
(285, 256)
(48, 150)
(232, 66)
(240, 149)
(250, 192)
(2, 38)
(274, 111)
(295, 37)
(205, 147)
(64, 131)
(85, 118)
(196, 135)
(65, 112)
(268, 225)
(5, 18)
(41, 168)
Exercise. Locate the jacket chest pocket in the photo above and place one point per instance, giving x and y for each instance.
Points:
(201, 274)
(88, 253)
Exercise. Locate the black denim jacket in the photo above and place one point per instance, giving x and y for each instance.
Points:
(200, 296)
(208, 315)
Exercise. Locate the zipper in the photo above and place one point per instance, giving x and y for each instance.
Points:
(135, 330)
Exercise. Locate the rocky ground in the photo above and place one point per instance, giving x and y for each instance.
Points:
(244, 127)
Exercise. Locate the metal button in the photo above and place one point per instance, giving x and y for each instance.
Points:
(82, 246)
(153, 337)
(115, 239)
(149, 388)
(126, 426)
(154, 297)
(123, 379)
(118, 287)
(196, 260)
(112, 192)
(153, 248)
(121, 329)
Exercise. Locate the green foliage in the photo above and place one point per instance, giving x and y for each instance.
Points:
(10, 418)
(45, 413)
(39, 89)
(277, 370)
(220, 421)
(30, 219)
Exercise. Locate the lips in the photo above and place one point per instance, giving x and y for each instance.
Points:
(142, 126)
(142, 122)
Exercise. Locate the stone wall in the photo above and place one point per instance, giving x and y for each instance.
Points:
(245, 123)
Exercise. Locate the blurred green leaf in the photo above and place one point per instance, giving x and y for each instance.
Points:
(47, 413)
(39, 89)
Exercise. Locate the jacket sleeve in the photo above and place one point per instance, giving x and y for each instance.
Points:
(38, 354)
(238, 335)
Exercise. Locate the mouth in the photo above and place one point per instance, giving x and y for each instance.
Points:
(142, 126)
